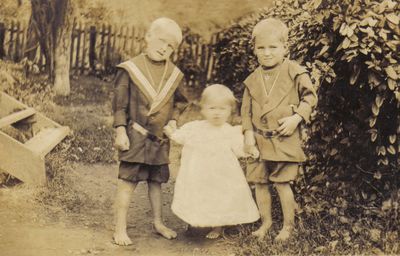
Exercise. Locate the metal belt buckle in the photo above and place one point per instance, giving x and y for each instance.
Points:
(270, 134)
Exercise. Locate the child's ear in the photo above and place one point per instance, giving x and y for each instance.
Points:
(286, 47)
(147, 37)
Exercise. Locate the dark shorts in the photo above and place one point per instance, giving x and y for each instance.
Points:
(264, 172)
(135, 172)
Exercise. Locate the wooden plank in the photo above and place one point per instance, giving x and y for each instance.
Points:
(113, 36)
(78, 47)
(17, 116)
(92, 48)
(20, 162)
(23, 46)
(17, 45)
(108, 48)
(132, 38)
(44, 141)
(84, 50)
(73, 37)
(2, 38)
(102, 46)
(11, 40)
(125, 37)
(8, 104)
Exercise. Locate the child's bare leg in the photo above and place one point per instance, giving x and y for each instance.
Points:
(288, 208)
(263, 198)
(214, 233)
(122, 201)
(156, 205)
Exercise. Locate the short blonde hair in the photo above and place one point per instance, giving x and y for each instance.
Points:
(220, 92)
(166, 25)
(271, 26)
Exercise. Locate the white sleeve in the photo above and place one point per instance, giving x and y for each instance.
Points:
(237, 141)
(182, 134)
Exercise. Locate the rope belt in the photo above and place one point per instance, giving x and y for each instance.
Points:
(137, 127)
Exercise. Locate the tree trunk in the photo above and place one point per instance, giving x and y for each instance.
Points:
(62, 47)
(54, 21)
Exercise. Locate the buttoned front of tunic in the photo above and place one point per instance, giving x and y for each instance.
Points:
(292, 93)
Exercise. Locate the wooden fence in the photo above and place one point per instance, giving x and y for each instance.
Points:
(99, 49)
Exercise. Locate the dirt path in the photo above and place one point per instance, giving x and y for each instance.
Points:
(31, 228)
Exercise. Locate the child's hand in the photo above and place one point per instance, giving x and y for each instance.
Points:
(249, 139)
(253, 152)
(121, 139)
(288, 125)
(170, 128)
(172, 124)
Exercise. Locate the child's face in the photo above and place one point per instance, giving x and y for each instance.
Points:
(160, 45)
(269, 49)
(216, 111)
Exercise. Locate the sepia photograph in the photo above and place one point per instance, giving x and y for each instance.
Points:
(199, 127)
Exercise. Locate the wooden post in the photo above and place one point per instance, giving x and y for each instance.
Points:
(78, 47)
(73, 36)
(108, 49)
(14, 57)
(84, 50)
(92, 46)
(203, 65)
(132, 49)
(2, 36)
(10, 44)
(103, 35)
(23, 38)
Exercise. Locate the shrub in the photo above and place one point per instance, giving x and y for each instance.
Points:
(350, 49)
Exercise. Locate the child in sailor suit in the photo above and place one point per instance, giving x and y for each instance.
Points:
(142, 105)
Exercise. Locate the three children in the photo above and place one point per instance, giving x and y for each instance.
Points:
(211, 189)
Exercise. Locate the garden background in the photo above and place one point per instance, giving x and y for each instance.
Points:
(349, 191)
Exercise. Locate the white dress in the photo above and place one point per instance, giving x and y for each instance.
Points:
(211, 189)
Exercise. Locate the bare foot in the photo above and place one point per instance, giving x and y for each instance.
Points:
(164, 231)
(215, 233)
(122, 238)
(260, 233)
(284, 234)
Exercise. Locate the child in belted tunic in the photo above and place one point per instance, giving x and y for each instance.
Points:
(143, 104)
(278, 96)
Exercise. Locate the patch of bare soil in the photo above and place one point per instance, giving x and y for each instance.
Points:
(29, 227)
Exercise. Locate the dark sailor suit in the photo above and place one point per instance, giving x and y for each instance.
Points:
(144, 108)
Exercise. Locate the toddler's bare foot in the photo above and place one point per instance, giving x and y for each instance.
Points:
(164, 231)
(122, 238)
(215, 233)
(284, 234)
(260, 233)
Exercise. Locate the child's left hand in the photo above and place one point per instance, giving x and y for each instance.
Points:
(288, 125)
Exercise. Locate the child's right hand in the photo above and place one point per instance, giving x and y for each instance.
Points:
(169, 129)
(121, 139)
(249, 142)
(254, 153)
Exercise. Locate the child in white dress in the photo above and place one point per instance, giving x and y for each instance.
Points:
(211, 189)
